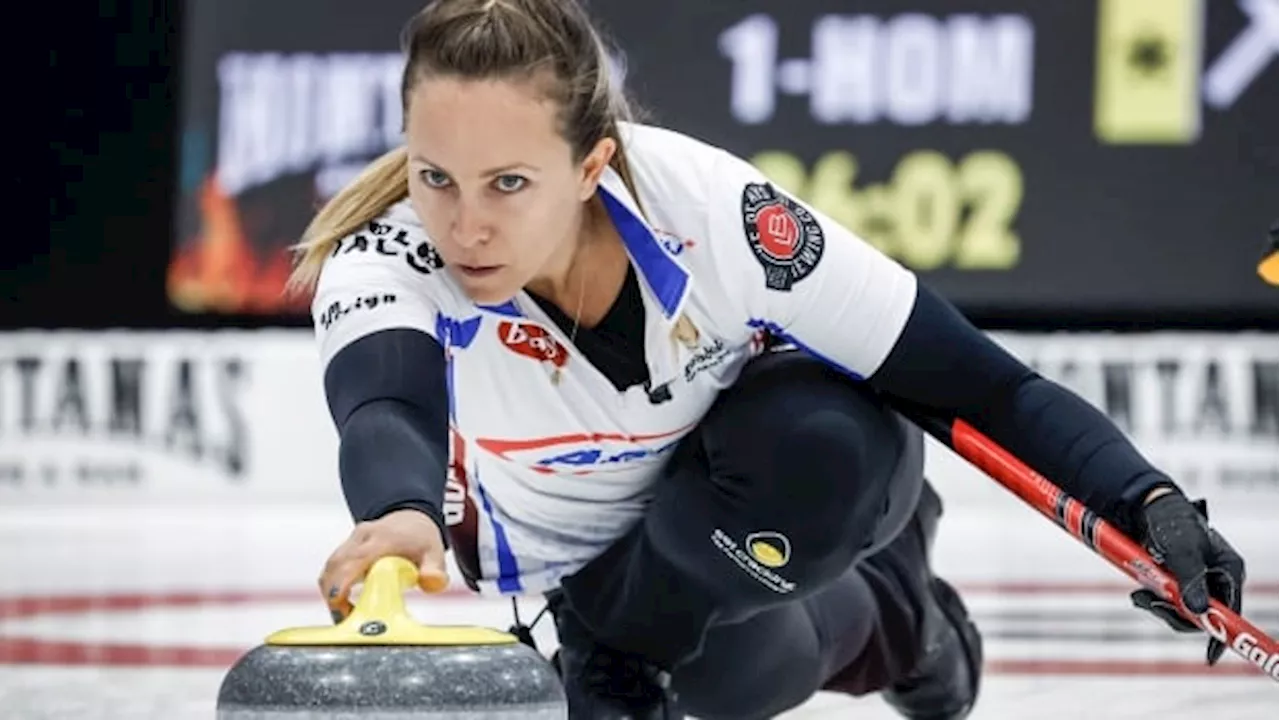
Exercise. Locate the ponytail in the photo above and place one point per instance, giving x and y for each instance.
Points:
(382, 184)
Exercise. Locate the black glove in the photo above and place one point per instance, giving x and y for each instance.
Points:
(1177, 534)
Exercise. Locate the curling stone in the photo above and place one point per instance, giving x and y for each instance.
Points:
(379, 664)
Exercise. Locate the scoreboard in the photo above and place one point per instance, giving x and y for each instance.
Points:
(1034, 159)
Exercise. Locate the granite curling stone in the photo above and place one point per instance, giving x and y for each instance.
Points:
(379, 664)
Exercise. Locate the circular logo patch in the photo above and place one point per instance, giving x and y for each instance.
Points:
(770, 549)
(785, 237)
(373, 627)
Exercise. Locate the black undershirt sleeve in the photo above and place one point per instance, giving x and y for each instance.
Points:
(944, 364)
(388, 398)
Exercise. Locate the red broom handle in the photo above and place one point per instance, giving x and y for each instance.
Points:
(1219, 621)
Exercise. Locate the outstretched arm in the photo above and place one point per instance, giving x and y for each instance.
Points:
(387, 396)
(809, 280)
(376, 318)
(944, 364)
(385, 380)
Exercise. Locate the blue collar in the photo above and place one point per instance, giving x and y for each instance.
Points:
(666, 277)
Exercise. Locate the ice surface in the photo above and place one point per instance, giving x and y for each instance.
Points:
(215, 580)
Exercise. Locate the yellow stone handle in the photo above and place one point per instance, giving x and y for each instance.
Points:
(380, 617)
(385, 585)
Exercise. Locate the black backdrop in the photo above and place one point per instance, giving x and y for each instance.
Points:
(112, 99)
(1124, 235)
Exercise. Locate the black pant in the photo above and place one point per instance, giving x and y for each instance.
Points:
(774, 555)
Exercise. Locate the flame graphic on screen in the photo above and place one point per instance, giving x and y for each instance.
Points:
(219, 271)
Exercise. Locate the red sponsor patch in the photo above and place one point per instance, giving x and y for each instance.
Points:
(778, 231)
(533, 341)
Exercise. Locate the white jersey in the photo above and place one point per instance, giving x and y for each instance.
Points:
(549, 462)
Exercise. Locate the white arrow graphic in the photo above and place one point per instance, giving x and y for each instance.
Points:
(1247, 55)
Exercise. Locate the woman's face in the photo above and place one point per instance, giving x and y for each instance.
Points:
(494, 182)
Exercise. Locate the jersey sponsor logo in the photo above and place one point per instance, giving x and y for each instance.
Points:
(584, 453)
(377, 237)
(705, 358)
(674, 244)
(339, 309)
(764, 553)
(785, 237)
(533, 341)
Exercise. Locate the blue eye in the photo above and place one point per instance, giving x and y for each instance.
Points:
(510, 183)
(434, 178)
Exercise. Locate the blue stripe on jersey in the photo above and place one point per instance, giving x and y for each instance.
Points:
(508, 570)
(665, 276)
(775, 330)
(451, 333)
(460, 334)
(443, 333)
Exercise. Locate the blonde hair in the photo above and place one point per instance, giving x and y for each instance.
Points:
(382, 184)
(483, 39)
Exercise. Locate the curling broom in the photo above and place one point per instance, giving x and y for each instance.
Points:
(1219, 621)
